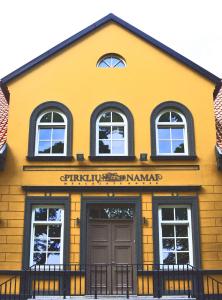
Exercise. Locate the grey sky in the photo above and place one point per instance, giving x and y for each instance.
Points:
(31, 27)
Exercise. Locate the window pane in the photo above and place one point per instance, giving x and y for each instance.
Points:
(117, 213)
(177, 133)
(165, 117)
(118, 147)
(178, 146)
(167, 230)
(58, 134)
(39, 258)
(164, 147)
(54, 245)
(116, 117)
(118, 132)
(104, 146)
(181, 230)
(53, 258)
(175, 117)
(57, 118)
(168, 244)
(57, 147)
(169, 258)
(45, 133)
(41, 231)
(115, 61)
(120, 64)
(108, 61)
(167, 214)
(46, 118)
(183, 258)
(181, 213)
(54, 230)
(55, 214)
(41, 214)
(39, 245)
(44, 147)
(164, 133)
(106, 117)
(182, 244)
(104, 132)
(102, 64)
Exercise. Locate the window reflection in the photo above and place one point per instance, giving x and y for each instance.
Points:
(111, 133)
(51, 130)
(175, 234)
(171, 133)
(47, 235)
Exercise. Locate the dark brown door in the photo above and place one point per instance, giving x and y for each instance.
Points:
(110, 255)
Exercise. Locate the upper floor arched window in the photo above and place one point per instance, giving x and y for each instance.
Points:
(172, 132)
(111, 61)
(50, 132)
(112, 132)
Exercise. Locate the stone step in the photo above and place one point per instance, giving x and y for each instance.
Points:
(113, 297)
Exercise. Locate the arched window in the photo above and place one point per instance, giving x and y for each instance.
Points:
(50, 132)
(111, 132)
(111, 61)
(172, 132)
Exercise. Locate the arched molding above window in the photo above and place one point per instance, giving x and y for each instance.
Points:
(38, 112)
(111, 60)
(122, 109)
(186, 121)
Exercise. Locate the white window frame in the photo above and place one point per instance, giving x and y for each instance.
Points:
(50, 126)
(120, 59)
(182, 124)
(33, 222)
(111, 124)
(176, 222)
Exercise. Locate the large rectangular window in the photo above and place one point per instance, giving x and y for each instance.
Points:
(47, 231)
(175, 235)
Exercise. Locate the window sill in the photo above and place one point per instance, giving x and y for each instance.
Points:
(112, 158)
(173, 157)
(50, 158)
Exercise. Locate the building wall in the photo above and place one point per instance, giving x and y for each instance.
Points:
(150, 78)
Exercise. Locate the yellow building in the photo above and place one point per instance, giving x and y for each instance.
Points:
(110, 184)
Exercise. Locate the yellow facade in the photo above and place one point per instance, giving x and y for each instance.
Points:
(72, 78)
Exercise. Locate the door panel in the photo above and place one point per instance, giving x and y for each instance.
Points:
(99, 254)
(122, 232)
(99, 232)
(122, 254)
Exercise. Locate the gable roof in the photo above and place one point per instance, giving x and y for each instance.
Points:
(98, 24)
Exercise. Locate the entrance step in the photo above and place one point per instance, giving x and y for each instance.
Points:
(112, 297)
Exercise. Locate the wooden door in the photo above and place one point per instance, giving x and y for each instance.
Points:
(110, 256)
